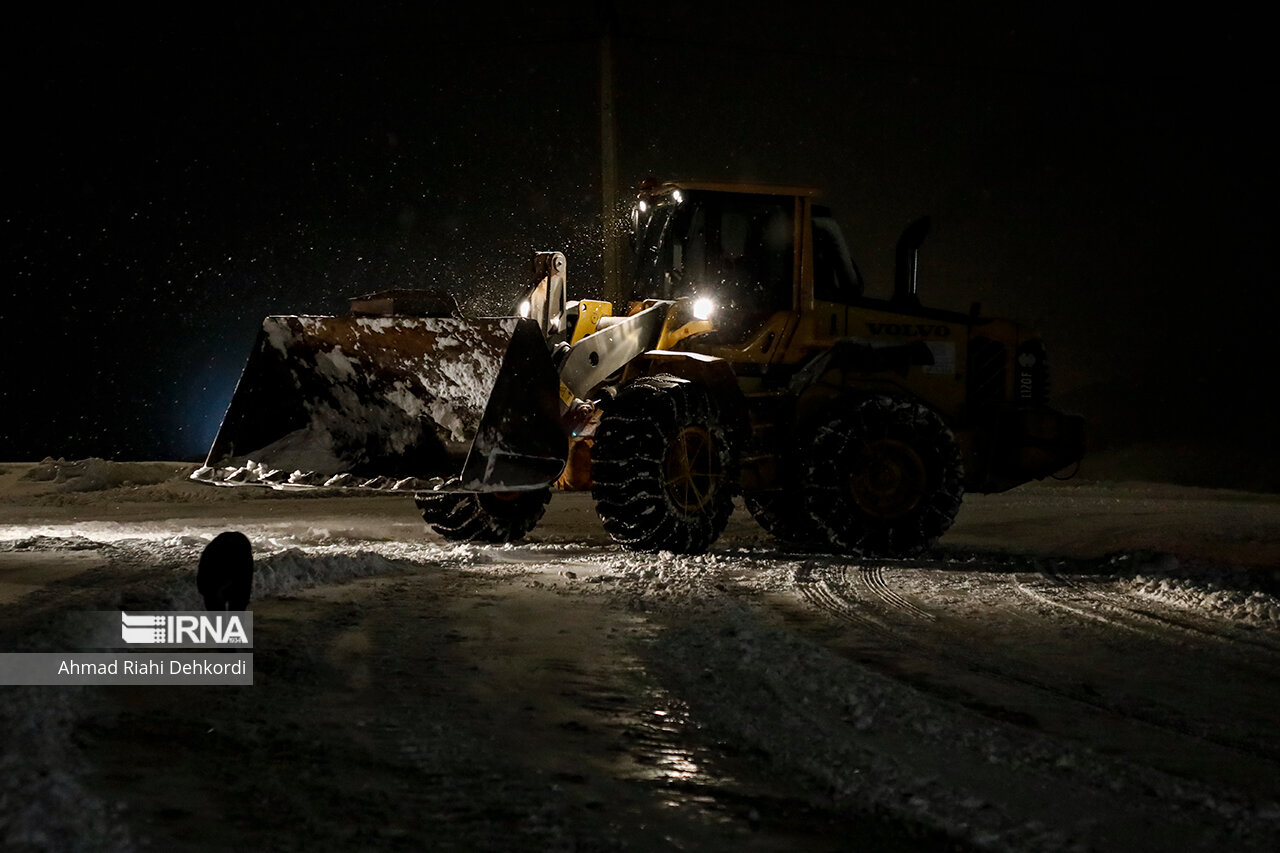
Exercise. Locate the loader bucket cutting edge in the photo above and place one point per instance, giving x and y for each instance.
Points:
(377, 401)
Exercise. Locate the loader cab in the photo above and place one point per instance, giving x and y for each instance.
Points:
(737, 249)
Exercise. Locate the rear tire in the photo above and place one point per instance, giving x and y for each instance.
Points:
(883, 477)
(663, 467)
(484, 517)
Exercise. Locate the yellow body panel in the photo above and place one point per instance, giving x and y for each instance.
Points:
(589, 313)
(792, 363)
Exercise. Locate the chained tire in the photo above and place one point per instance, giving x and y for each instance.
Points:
(664, 466)
(492, 517)
(883, 476)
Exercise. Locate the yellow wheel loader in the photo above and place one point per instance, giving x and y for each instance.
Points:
(747, 360)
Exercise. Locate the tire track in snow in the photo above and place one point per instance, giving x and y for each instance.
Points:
(1111, 614)
(1223, 632)
(873, 577)
(818, 586)
(834, 591)
(1083, 612)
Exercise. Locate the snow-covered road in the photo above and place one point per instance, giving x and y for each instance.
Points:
(1084, 667)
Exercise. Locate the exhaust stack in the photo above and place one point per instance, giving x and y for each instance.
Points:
(907, 261)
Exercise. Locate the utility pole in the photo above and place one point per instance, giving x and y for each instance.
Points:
(609, 161)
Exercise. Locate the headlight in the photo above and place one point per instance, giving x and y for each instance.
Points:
(524, 308)
(703, 308)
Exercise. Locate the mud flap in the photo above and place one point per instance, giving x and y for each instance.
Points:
(377, 400)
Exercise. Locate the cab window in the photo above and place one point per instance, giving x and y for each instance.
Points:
(835, 278)
(739, 250)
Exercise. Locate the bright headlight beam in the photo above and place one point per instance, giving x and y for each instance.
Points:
(703, 308)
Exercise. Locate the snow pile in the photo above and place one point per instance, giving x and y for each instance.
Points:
(44, 542)
(281, 573)
(1234, 594)
(687, 579)
(295, 569)
(94, 474)
(158, 572)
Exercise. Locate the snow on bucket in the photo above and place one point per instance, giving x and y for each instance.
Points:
(393, 401)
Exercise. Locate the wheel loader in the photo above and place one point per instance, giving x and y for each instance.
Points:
(747, 360)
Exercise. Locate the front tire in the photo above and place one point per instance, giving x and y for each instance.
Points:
(663, 467)
(883, 477)
(496, 517)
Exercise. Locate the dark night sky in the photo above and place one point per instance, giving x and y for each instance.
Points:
(172, 180)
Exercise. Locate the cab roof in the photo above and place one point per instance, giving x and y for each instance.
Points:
(654, 188)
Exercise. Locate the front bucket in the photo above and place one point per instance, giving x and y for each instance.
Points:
(393, 401)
